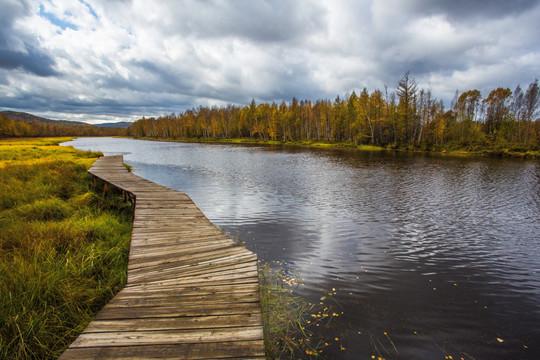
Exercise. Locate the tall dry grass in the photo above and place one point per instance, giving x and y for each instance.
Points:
(63, 248)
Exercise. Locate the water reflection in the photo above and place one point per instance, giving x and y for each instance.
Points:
(440, 253)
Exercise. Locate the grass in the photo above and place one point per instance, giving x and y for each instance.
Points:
(63, 248)
(285, 317)
(288, 319)
(251, 141)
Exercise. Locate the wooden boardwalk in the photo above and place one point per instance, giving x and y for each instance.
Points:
(191, 292)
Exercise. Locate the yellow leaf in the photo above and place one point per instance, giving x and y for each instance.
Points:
(500, 340)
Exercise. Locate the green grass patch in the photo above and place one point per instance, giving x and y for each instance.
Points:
(250, 141)
(63, 248)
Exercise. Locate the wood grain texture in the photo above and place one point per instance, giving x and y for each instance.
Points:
(192, 292)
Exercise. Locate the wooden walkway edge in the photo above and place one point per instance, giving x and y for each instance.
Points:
(191, 292)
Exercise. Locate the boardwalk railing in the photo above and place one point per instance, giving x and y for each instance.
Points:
(191, 291)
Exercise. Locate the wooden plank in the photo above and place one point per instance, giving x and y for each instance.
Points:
(187, 322)
(201, 271)
(149, 291)
(164, 298)
(172, 301)
(140, 312)
(161, 337)
(189, 257)
(223, 350)
(242, 261)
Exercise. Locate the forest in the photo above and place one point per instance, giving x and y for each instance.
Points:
(13, 128)
(409, 118)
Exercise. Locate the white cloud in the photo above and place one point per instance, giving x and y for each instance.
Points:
(123, 59)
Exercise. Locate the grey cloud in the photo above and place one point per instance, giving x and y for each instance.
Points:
(260, 21)
(33, 62)
(11, 10)
(484, 33)
(167, 78)
(465, 9)
(124, 107)
(25, 101)
(11, 55)
(297, 82)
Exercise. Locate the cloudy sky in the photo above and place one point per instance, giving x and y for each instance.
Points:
(113, 60)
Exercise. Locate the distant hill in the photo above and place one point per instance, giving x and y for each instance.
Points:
(14, 115)
(122, 124)
(20, 124)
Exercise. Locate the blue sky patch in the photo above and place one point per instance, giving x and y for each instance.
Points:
(89, 9)
(56, 21)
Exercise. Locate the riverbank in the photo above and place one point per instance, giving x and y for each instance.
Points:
(495, 152)
(64, 248)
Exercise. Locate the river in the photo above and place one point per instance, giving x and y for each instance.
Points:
(420, 256)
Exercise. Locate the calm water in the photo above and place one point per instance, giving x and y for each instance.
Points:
(441, 254)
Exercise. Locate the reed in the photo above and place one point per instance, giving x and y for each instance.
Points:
(286, 317)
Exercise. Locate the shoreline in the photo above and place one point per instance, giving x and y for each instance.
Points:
(483, 153)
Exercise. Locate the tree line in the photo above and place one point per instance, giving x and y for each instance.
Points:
(408, 117)
(19, 128)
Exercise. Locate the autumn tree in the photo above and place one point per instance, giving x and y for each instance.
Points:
(407, 93)
(530, 108)
(467, 109)
(496, 109)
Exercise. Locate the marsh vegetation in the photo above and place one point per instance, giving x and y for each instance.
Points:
(63, 247)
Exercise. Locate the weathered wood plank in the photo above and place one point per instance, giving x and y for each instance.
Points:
(174, 299)
(229, 350)
(178, 323)
(161, 337)
(175, 311)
